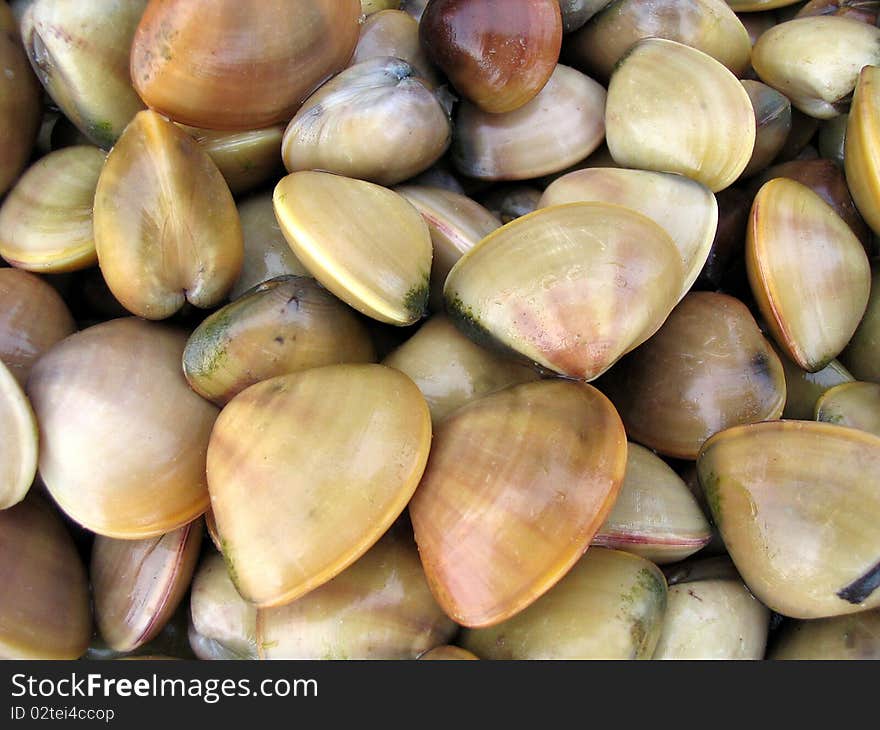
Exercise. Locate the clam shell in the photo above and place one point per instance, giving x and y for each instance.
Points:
(138, 584)
(707, 25)
(45, 611)
(33, 317)
(224, 624)
(815, 61)
(562, 125)
(46, 220)
(866, 11)
(803, 389)
(672, 108)
(749, 6)
(239, 64)
(713, 619)
(297, 505)
(122, 437)
(448, 653)
(363, 242)
(266, 253)
(392, 32)
(517, 485)
(832, 139)
(450, 369)
(498, 54)
(708, 368)
(797, 514)
(685, 209)
(378, 608)
(18, 447)
(509, 202)
(609, 606)
(570, 287)
(375, 121)
(862, 354)
(862, 146)
(842, 637)
(772, 124)
(80, 53)
(799, 256)
(166, 227)
(856, 405)
(283, 326)
(456, 224)
(655, 515)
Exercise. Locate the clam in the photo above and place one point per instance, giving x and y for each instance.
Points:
(508, 202)
(517, 485)
(392, 32)
(577, 12)
(369, 7)
(245, 159)
(832, 139)
(138, 584)
(655, 515)
(449, 653)
(379, 608)
(862, 147)
(672, 108)
(282, 326)
(171, 642)
(80, 54)
(266, 253)
(363, 242)
(122, 437)
(165, 224)
(18, 447)
(856, 405)
(224, 625)
(497, 53)
(33, 317)
(45, 611)
(299, 493)
(450, 369)
(685, 209)
(708, 368)
(856, 636)
(456, 224)
(773, 124)
(20, 103)
(571, 287)
(46, 220)
(562, 125)
(799, 256)
(803, 389)
(713, 619)
(609, 606)
(239, 64)
(862, 354)
(797, 513)
(866, 11)
(708, 25)
(815, 61)
(374, 121)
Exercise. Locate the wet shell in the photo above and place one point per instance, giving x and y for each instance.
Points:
(517, 485)
(498, 54)
(393, 32)
(571, 287)
(298, 492)
(683, 208)
(815, 61)
(166, 227)
(562, 125)
(46, 220)
(799, 256)
(375, 121)
(803, 389)
(122, 437)
(797, 514)
(33, 317)
(773, 124)
(861, 157)
(842, 637)
(283, 326)
(672, 108)
(80, 54)
(138, 584)
(239, 64)
(609, 606)
(708, 368)
(379, 608)
(862, 354)
(363, 242)
(45, 611)
(18, 447)
(655, 515)
(450, 369)
(856, 405)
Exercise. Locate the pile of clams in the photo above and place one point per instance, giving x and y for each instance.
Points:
(458, 329)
